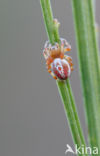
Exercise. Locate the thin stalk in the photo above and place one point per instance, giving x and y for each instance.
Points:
(94, 6)
(65, 90)
(89, 65)
(74, 108)
(52, 31)
(71, 113)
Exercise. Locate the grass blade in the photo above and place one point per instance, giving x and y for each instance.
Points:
(89, 65)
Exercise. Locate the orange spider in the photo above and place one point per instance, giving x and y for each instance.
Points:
(58, 64)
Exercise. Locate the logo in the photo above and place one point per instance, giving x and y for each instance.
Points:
(81, 150)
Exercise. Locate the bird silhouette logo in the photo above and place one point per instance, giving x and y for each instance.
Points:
(69, 149)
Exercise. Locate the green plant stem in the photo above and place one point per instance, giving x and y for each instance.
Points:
(71, 112)
(52, 31)
(94, 5)
(89, 65)
(63, 87)
(74, 109)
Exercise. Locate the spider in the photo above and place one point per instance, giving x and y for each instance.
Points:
(58, 64)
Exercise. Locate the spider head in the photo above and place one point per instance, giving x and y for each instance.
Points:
(52, 51)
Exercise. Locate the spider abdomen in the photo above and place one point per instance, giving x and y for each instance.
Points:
(61, 68)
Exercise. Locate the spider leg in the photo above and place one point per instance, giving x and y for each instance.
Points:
(69, 59)
(68, 48)
(65, 46)
(50, 72)
(72, 68)
(46, 53)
